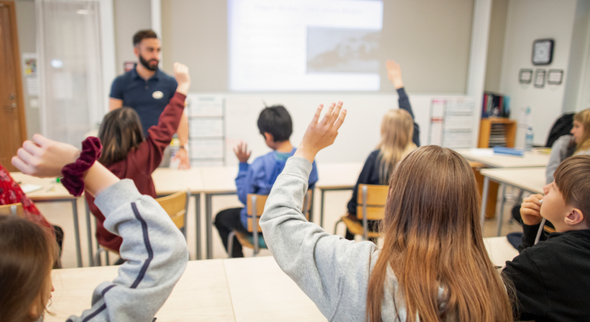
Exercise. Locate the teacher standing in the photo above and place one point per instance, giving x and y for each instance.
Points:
(147, 90)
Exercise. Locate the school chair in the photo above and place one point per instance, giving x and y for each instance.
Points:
(175, 205)
(255, 207)
(14, 209)
(371, 206)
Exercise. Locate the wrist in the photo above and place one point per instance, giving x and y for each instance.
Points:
(182, 88)
(306, 153)
(398, 84)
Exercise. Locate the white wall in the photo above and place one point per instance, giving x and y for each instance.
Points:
(356, 139)
(130, 16)
(529, 20)
(577, 82)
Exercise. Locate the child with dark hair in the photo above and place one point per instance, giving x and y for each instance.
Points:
(275, 125)
(128, 155)
(552, 277)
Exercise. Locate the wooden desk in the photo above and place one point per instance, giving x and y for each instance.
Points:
(169, 181)
(202, 294)
(487, 157)
(243, 289)
(217, 181)
(528, 179)
(260, 291)
(336, 177)
(53, 192)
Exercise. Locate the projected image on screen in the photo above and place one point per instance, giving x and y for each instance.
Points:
(333, 50)
(305, 45)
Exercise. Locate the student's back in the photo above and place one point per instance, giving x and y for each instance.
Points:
(433, 265)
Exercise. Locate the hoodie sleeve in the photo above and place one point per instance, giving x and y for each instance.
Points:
(322, 265)
(155, 251)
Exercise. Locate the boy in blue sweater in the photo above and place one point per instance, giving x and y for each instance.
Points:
(275, 125)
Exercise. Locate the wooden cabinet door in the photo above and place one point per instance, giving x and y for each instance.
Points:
(12, 111)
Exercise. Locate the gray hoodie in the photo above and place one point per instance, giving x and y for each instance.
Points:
(332, 271)
(155, 251)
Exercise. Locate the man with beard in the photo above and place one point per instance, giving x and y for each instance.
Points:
(147, 90)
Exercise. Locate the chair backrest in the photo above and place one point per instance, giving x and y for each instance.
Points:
(371, 201)
(15, 209)
(255, 208)
(176, 206)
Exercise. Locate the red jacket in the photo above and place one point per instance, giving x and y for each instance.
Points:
(10, 192)
(140, 163)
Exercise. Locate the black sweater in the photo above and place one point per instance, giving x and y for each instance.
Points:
(370, 172)
(552, 278)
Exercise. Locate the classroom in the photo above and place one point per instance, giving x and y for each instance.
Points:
(210, 107)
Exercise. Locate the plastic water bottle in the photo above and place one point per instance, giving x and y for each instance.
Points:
(528, 141)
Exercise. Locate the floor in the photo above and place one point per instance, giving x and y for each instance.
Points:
(335, 206)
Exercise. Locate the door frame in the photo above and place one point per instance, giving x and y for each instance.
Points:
(20, 100)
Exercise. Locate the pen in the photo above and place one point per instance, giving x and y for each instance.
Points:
(540, 226)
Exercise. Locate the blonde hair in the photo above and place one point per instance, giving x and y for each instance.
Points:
(433, 239)
(584, 118)
(397, 129)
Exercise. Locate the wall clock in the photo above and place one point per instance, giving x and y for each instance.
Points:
(543, 51)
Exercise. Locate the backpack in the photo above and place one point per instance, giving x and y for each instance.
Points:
(562, 126)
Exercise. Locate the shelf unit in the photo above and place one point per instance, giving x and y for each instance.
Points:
(497, 132)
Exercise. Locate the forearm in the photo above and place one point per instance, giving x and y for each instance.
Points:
(183, 130)
(98, 178)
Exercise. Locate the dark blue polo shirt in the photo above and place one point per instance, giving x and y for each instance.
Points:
(147, 97)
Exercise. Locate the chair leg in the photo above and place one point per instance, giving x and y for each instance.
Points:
(230, 243)
(97, 259)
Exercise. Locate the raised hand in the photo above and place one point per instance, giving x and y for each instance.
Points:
(530, 210)
(321, 133)
(241, 151)
(394, 74)
(182, 78)
(43, 157)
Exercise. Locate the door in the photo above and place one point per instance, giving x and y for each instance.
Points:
(12, 111)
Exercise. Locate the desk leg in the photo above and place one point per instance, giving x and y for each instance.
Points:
(322, 208)
(501, 215)
(484, 200)
(209, 224)
(89, 236)
(77, 231)
(198, 218)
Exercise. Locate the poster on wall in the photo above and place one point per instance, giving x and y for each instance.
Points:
(29, 61)
(451, 122)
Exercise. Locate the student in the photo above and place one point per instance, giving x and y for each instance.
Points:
(433, 266)
(154, 248)
(551, 278)
(400, 135)
(11, 192)
(128, 155)
(568, 145)
(275, 125)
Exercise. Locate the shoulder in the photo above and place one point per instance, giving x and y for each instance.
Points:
(562, 142)
(123, 79)
(167, 79)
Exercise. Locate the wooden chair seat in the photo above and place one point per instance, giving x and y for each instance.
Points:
(15, 209)
(356, 227)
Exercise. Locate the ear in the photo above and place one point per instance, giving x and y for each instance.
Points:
(136, 51)
(268, 137)
(574, 217)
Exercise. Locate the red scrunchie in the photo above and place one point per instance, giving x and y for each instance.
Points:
(73, 173)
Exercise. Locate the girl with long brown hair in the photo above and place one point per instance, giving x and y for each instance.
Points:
(433, 266)
(129, 155)
(400, 135)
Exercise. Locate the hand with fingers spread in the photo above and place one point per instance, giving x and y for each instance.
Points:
(43, 157)
(321, 133)
(530, 210)
(394, 74)
(241, 151)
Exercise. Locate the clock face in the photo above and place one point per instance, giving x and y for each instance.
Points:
(542, 52)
